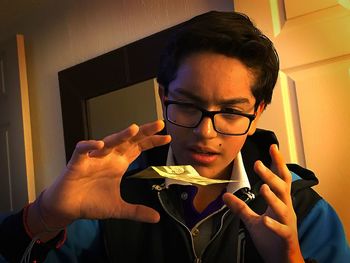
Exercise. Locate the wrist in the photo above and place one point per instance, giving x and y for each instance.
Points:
(296, 256)
(38, 222)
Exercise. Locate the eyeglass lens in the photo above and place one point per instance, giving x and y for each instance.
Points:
(190, 117)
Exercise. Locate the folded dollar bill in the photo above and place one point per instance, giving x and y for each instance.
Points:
(185, 173)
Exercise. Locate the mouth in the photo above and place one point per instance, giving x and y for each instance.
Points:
(203, 155)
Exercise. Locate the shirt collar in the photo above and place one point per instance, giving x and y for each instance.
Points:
(238, 174)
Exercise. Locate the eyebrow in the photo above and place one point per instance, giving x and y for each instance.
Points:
(231, 101)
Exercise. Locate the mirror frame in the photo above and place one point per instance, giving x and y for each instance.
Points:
(120, 68)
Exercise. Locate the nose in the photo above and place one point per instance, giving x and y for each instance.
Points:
(205, 129)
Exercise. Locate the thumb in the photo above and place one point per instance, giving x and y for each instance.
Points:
(239, 207)
(141, 213)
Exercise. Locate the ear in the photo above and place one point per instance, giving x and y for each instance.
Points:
(259, 111)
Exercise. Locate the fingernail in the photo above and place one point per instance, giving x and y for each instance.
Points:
(261, 166)
(268, 220)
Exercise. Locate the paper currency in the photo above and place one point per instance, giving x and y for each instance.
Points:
(185, 173)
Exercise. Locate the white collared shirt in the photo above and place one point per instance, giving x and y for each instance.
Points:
(238, 174)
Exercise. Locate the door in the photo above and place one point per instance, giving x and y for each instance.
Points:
(310, 111)
(16, 159)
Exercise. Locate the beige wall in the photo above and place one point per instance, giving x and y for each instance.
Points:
(59, 34)
(313, 42)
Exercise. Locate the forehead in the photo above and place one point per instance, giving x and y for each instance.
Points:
(212, 78)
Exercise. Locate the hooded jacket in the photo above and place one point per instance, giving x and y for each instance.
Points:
(320, 232)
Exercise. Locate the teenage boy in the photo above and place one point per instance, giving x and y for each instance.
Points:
(216, 77)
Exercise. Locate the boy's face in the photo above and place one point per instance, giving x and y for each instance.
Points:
(213, 82)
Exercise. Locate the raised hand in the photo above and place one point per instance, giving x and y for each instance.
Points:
(274, 233)
(89, 185)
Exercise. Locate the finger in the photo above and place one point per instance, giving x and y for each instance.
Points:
(237, 206)
(115, 139)
(154, 141)
(84, 148)
(141, 213)
(277, 184)
(270, 178)
(279, 165)
(132, 135)
(149, 129)
(279, 208)
(145, 139)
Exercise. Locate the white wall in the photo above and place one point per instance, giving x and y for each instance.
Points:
(60, 34)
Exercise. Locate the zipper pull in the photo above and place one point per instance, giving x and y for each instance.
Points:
(158, 187)
(245, 195)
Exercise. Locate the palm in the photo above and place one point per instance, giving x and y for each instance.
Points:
(90, 184)
(271, 245)
(97, 193)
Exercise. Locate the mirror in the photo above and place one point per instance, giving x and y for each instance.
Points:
(119, 69)
(118, 109)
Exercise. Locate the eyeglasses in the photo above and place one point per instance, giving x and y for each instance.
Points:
(188, 115)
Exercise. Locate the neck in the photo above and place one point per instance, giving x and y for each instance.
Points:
(206, 194)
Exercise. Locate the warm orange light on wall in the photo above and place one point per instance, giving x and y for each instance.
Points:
(289, 123)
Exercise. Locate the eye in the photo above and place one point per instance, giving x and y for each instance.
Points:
(230, 116)
(188, 108)
(232, 110)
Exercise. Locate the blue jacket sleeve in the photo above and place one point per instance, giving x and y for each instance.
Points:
(322, 237)
(84, 243)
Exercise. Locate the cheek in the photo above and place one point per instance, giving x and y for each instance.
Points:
(231, 146)
(178, 134)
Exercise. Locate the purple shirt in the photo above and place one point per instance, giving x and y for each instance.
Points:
(192, 216)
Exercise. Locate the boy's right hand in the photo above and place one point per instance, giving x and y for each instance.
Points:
(89, 186)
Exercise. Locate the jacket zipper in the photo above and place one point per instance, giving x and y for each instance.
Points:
(197, 259)
(249, 197)
(217, 232)
(160, 188)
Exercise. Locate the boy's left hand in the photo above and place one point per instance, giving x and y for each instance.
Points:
(274, 233)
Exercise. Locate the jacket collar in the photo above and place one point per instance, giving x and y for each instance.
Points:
(238, 174)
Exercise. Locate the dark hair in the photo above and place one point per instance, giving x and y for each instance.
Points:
(228, 33)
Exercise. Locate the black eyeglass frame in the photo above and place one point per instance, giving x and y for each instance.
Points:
(210, 114)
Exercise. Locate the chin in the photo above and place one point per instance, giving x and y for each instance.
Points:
(205, 172)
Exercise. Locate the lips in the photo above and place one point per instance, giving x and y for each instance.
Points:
(203, 155)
